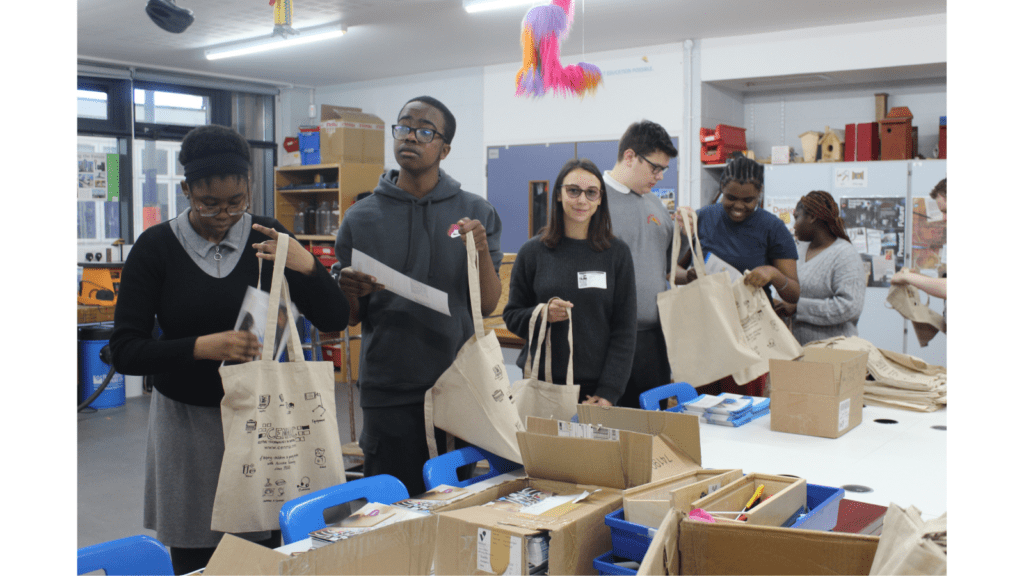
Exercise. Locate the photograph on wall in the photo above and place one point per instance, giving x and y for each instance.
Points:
(927, 251)
(668, 197)
(876, 229)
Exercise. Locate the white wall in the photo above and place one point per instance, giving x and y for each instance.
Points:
(899, 42)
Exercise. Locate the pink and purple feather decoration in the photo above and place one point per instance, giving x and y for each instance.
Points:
(544, 28)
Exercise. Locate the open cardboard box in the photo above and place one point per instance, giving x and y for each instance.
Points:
(819, 394)
(350, 135)
(646, 505)
(644, 445)
(684, 546)
(783, 497)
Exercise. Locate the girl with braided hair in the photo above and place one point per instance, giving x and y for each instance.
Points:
(830, 270)
(750, 240)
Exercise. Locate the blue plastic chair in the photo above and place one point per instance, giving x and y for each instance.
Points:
(651, 399)
(305, 514)
(442, 470)
(127, 556)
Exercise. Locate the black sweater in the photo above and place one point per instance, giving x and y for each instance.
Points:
(160, 280)
(603, 320)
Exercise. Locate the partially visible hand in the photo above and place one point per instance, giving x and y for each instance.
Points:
(783, 308)
(299, 259)
(759, 277)
(558, 310)
(357, 284)
(902, 277)
(233, 345)
(691, 275)
(683, 212)
(476, 228)
(596, 401)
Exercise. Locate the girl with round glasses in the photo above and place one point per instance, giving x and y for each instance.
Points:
(577, 263)
(190, 275)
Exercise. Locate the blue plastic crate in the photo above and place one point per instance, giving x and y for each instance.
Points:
(310, 158)
(823, 506)
(605, 564)
(309, 140)
(629, 540)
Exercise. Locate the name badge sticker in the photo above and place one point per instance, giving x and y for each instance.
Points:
(592, 280)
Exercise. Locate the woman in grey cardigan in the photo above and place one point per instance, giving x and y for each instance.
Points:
(830, 271)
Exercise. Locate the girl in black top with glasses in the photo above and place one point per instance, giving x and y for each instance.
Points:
(190, 274)
(576, 262)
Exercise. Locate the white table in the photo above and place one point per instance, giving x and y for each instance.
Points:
(904, 463)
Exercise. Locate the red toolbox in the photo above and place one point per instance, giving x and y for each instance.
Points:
(325, 254)
(717, 154)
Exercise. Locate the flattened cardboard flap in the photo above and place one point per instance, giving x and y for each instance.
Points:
(235, 555)
(329, 112)
(676, 448)
(402, 548)
(620, 465)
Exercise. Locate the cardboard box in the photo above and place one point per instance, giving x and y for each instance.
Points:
(490, 540)
(350, 135)
(646, 505)
(235, 555)
(819, 394)
(402, 548)
(291, 159)
(650, 446)
(782, 499)
(354, 179)
(683, 546)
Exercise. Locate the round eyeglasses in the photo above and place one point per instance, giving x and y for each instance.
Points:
(236, 208)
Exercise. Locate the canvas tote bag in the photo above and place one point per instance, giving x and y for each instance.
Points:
(702, 329)
(535, 397)
(473, 399)
(281, 435)
(927, 322)
(765, 332)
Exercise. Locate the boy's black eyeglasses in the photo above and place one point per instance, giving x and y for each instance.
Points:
(657, 168)
(423, 135)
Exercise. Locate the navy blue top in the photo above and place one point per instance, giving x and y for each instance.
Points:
(756, 241)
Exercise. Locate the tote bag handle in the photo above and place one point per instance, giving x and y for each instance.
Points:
(545, 336)
(695, 247)
(279, 287)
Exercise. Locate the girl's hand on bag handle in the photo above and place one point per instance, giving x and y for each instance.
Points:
(760, 276)
(299, 259)
(596, 401)
(558, 310)
(233, 345)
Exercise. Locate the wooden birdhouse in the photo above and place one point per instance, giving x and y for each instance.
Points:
(896, 134)
(809, 142)
(831, 146)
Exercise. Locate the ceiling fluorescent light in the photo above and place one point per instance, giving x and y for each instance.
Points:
(472, 6)
(275, 42)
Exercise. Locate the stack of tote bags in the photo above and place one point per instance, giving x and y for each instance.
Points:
(716, 328)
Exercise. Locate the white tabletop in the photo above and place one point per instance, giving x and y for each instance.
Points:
(904, 463)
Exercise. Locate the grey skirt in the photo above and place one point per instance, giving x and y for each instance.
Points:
(184, 450)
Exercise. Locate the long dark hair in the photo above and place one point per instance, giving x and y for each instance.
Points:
(822, 206)
(599, 232)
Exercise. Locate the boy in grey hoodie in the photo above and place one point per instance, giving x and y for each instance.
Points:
(406, 224)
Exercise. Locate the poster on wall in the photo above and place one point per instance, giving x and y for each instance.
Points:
(851, 178)
(876, 229)
(668, 197)
(929, 238)
(783, 208)
(98, 195)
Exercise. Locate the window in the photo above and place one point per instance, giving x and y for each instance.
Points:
(157, 182)
(92, 104)
(158, 107)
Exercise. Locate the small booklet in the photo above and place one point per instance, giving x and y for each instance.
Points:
(370, 517)
(253, 318)
(432, 499)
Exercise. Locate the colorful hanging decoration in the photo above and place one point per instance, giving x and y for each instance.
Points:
(544, 28)
(282, 18)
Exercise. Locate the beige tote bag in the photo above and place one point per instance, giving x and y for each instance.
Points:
(702, 329)
(536, 397)
(472, 399)
(927, 322)
(765, 332)
(281, 437)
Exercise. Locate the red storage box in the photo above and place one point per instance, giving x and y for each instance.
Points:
(333, 354)
(717, 154)
(850, 144)
(724, 135)
(942, 137)
(869, 146)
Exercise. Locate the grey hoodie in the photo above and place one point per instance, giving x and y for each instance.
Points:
(406, 346)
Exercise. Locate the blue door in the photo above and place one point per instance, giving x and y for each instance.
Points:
(510, 170)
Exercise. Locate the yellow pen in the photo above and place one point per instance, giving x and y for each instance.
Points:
(753, 499)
